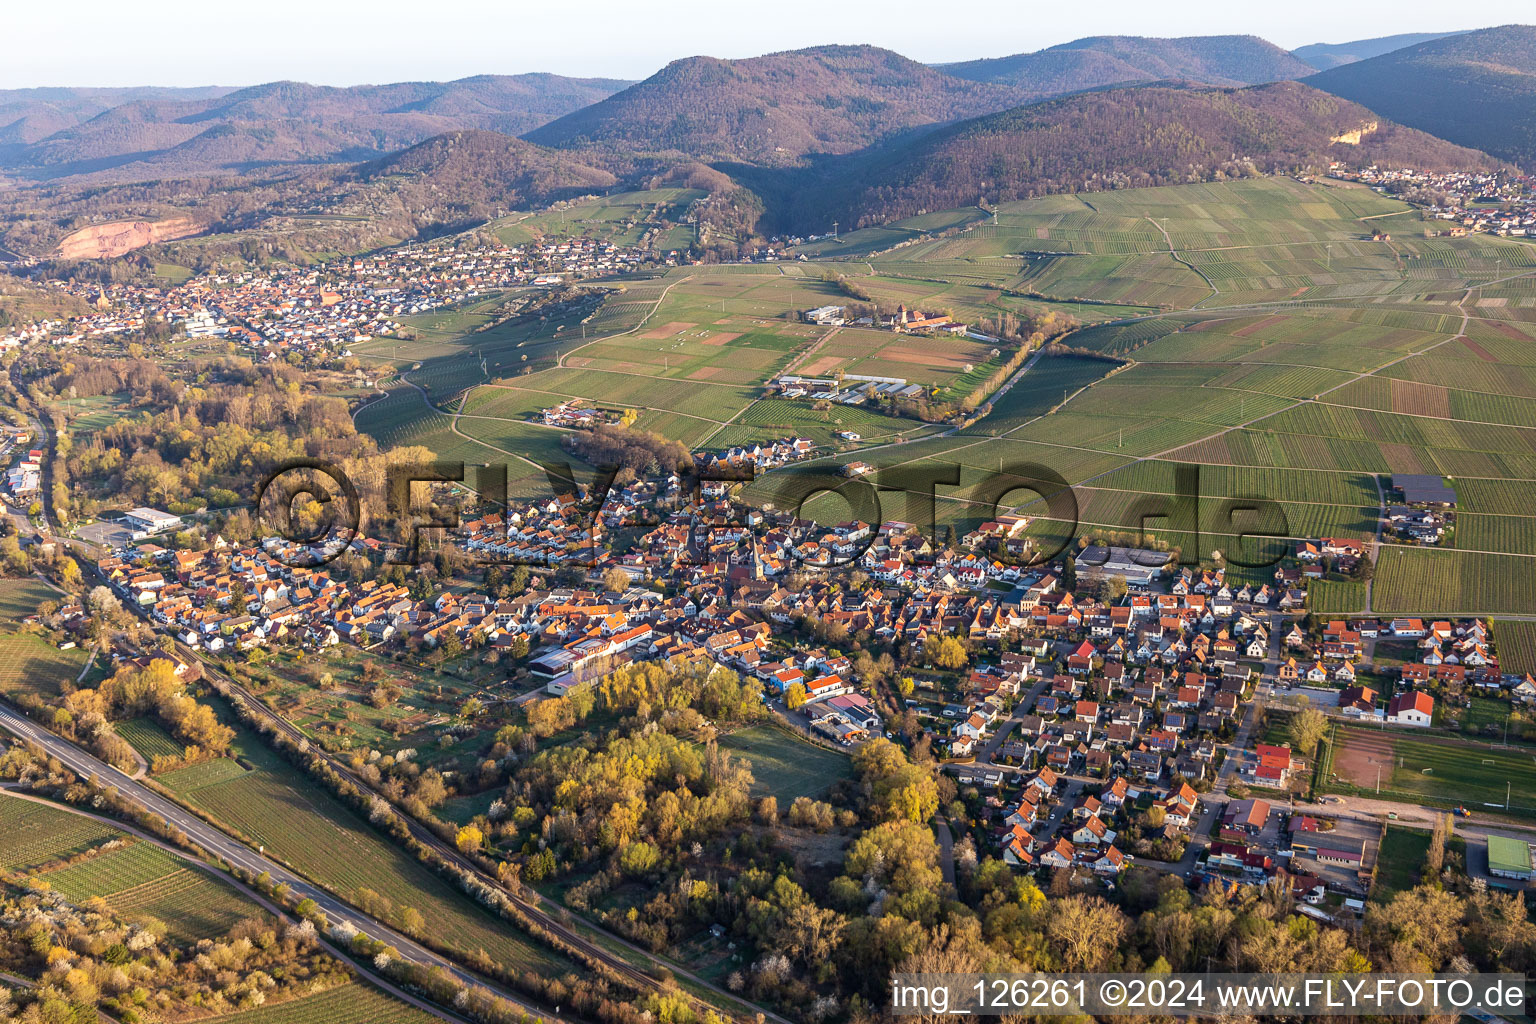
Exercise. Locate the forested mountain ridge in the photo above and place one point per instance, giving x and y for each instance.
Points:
(777, 108)
(1100, 61)
(151, 135)
(1476, 89)
(1331, 55)
(1109, 139)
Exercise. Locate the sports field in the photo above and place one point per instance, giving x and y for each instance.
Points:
(1413, 767)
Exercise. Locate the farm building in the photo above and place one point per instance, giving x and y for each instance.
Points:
(1509, 858)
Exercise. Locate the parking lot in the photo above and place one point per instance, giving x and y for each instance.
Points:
(107, 535)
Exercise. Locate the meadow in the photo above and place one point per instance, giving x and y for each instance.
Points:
(786, 767)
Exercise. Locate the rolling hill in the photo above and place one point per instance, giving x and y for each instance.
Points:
(1113, 139)
(150, 135)
(1101, 61)
(777, 108)
(1477, 89)
(1331, 55)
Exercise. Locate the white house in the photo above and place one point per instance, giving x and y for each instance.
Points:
(1412, 708)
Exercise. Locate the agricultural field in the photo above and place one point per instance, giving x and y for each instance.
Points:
(134, 877)
(356, 1003)
(20, 598)
(786, 767)
(1342, 378)
(149, 738)
(274, 805)
(30, 664)
(142, 879)
(33, 834)
(1450, 582)
(1515, 642)
(624, 218)
(1333, 597)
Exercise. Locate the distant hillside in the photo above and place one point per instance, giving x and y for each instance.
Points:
(1128, 60)
(775, 109)
(474, 167)
(448, 182)
(1477, 88)
(30, 115)
(1114, 139)
(149, 135)
(1331, 55)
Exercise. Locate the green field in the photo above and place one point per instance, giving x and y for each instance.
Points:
(30, 664)
(20, 598)
(1441, 772)
(276, 806)
(1332, 597)
(356, 1003)
(135, 877)
(786, 767)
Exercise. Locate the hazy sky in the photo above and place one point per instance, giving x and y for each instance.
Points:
(346, 42)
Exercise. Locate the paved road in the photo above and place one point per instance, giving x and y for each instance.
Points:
(946, 849)
(548, 914)
(362, 967)
(232, 852)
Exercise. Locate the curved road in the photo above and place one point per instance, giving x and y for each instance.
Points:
(9, 791)
(549, 915)
(232, 852)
